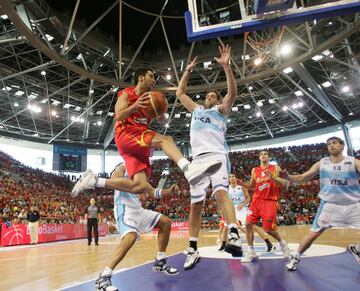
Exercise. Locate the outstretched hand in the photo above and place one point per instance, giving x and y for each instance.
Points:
(225, 51)
(284, 174)
(192, 65)
(174, 189)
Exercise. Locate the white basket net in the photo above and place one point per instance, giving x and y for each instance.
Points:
(266, 42)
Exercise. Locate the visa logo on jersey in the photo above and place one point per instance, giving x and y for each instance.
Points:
(203, 119)
(339, 182)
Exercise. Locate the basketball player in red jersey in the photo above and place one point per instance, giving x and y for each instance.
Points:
(134, 140)
(266, 183)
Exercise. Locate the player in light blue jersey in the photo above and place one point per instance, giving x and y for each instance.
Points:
(207, 140)
(131, 220)
(339, 193)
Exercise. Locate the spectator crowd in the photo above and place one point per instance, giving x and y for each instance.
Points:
(22, 186)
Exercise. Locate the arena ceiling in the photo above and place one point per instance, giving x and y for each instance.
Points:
(51, 94)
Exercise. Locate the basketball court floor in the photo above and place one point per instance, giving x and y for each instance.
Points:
(73, 265)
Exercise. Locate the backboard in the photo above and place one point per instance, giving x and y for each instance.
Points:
(208, 19)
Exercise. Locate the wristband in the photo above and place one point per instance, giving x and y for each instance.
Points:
(157, 193)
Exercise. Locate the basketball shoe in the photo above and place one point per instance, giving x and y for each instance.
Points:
(195, 172)
(162, 266)
(234, 245)
(352, 249)
(293, 262)
(192, 258)
(222, 247)
(87, 181)
(103, 283)
(251, 256)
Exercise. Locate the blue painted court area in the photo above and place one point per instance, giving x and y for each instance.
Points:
(332, 272)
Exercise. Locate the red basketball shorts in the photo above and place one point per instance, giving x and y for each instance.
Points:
(264, 209)
(134, 144)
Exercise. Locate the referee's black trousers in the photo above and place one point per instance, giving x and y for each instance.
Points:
(92, 223)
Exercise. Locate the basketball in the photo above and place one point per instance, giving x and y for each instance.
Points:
(157, 105)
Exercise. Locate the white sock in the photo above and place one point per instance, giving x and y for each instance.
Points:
(191, 238)
(357, 247)
(107, 271)
(251, 247)
(161, 255)
(183, 163)
(100, 183)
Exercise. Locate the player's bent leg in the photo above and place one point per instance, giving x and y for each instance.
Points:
(262, 234)
(137, 184)
(294, 258)
(192, 254)
(164, 225)
(103, 283)
(224, 239)
(160, 264)
(251, 254)
(167, 145)
(226, 206)
(233, 246)
(282, 243)
(193, 172)
(125, 245)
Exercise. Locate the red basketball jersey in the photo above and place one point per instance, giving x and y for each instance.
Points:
(264, 187)
(136, 119)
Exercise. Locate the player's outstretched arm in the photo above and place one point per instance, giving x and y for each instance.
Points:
(251, 184)
(275, 177)
(224, 60)
(185, 100)
(308, 175)
(174, 189)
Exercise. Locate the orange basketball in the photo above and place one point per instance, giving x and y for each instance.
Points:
(157, 105)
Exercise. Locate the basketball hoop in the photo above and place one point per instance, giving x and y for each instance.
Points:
(265, 42)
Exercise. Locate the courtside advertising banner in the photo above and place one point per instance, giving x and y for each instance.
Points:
(18, 234)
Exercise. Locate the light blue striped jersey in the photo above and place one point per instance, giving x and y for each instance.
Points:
(237, 195)
(207, 131)
(339, 183)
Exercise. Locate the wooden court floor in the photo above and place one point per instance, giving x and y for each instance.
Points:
(57, 265)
